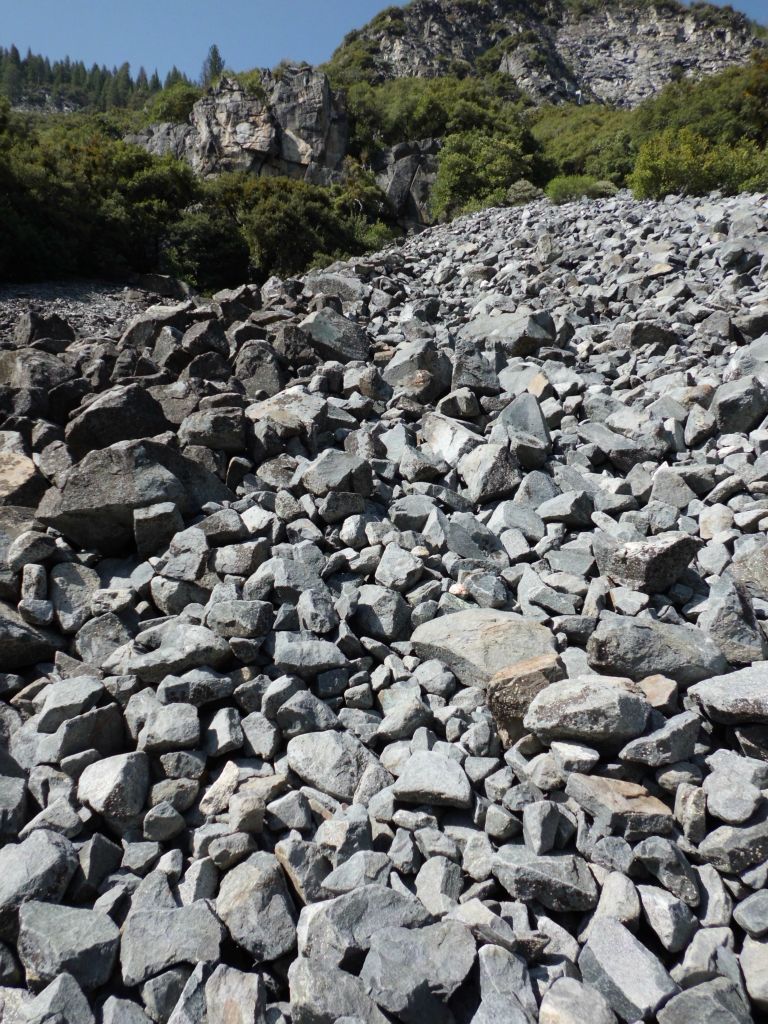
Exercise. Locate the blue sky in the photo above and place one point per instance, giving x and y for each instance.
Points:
(160, 33)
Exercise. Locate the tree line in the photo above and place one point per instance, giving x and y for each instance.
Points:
(37, 81)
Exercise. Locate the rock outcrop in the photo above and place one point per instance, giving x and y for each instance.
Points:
(556, 50)
(403, 656)
(291, 123)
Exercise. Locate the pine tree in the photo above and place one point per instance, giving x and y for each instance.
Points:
(173, 76)
(12, 84)
(213, 66)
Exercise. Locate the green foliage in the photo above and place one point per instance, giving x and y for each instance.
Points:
(522, 192)
(38, 82)
(475, 170)
(206, 248)
(569, 187)
(604, 142)
(73, 195)
(391, 20)
(173, 104)
(727, 107)
(681, 160)
(286, 223)
(594, 140)
(213, 67)
(250, 82)
(354, 62)
(419, 108)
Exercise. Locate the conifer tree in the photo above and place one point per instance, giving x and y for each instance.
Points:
(213, 67)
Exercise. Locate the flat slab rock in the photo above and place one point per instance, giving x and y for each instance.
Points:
(477, 644)
(740, 697)
(432, 778)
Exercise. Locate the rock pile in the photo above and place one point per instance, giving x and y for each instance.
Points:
(388, 645)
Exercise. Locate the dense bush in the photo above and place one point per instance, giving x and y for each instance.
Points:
(405, 109)
(205, 247)
(604, 142)
(80, 202)
(726, 107)
(173, 104)
(568, 187)
(522, 192)
(594, 140)
(475, 170)
(76, 200)
(685, 161)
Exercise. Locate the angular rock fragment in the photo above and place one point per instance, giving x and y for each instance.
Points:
(154, 940)
(332, 762)
(477, 644)
(55, 939)
(588, 709)
(412, 972)
(431, 778)
(643, 648)
(255, 906)
(625, 972)
(734, 698)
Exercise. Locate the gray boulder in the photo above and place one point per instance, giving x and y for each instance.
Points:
(738, 697)
(625, 972)
(589, 709)
(55, 939)
(95, 505)
(477, 644)
(639, 648)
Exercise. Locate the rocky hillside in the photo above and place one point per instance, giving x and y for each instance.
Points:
(619, 53)
(293, 121)
(390, 644)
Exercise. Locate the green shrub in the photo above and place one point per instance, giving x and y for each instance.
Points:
(475, 170)
(173, 104)
(566, 188)
(727, 107)
(592, 139)
(682, 161)
(250, 82)
(73, 196)
(418, 108)
(288, 225)
(206, 248)
(602, 190)
(522, 192)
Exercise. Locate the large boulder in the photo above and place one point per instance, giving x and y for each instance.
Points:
(644, 647)
(740, 697)
(95, 506)
(22, 644)
(477, 644)
(121, 414)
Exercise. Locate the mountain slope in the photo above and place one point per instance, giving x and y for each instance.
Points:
(617, 53)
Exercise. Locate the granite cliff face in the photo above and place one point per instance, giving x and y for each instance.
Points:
(557, 50)
(291, 124)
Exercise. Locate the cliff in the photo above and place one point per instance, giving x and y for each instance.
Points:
(618, 53)
(290, 123)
